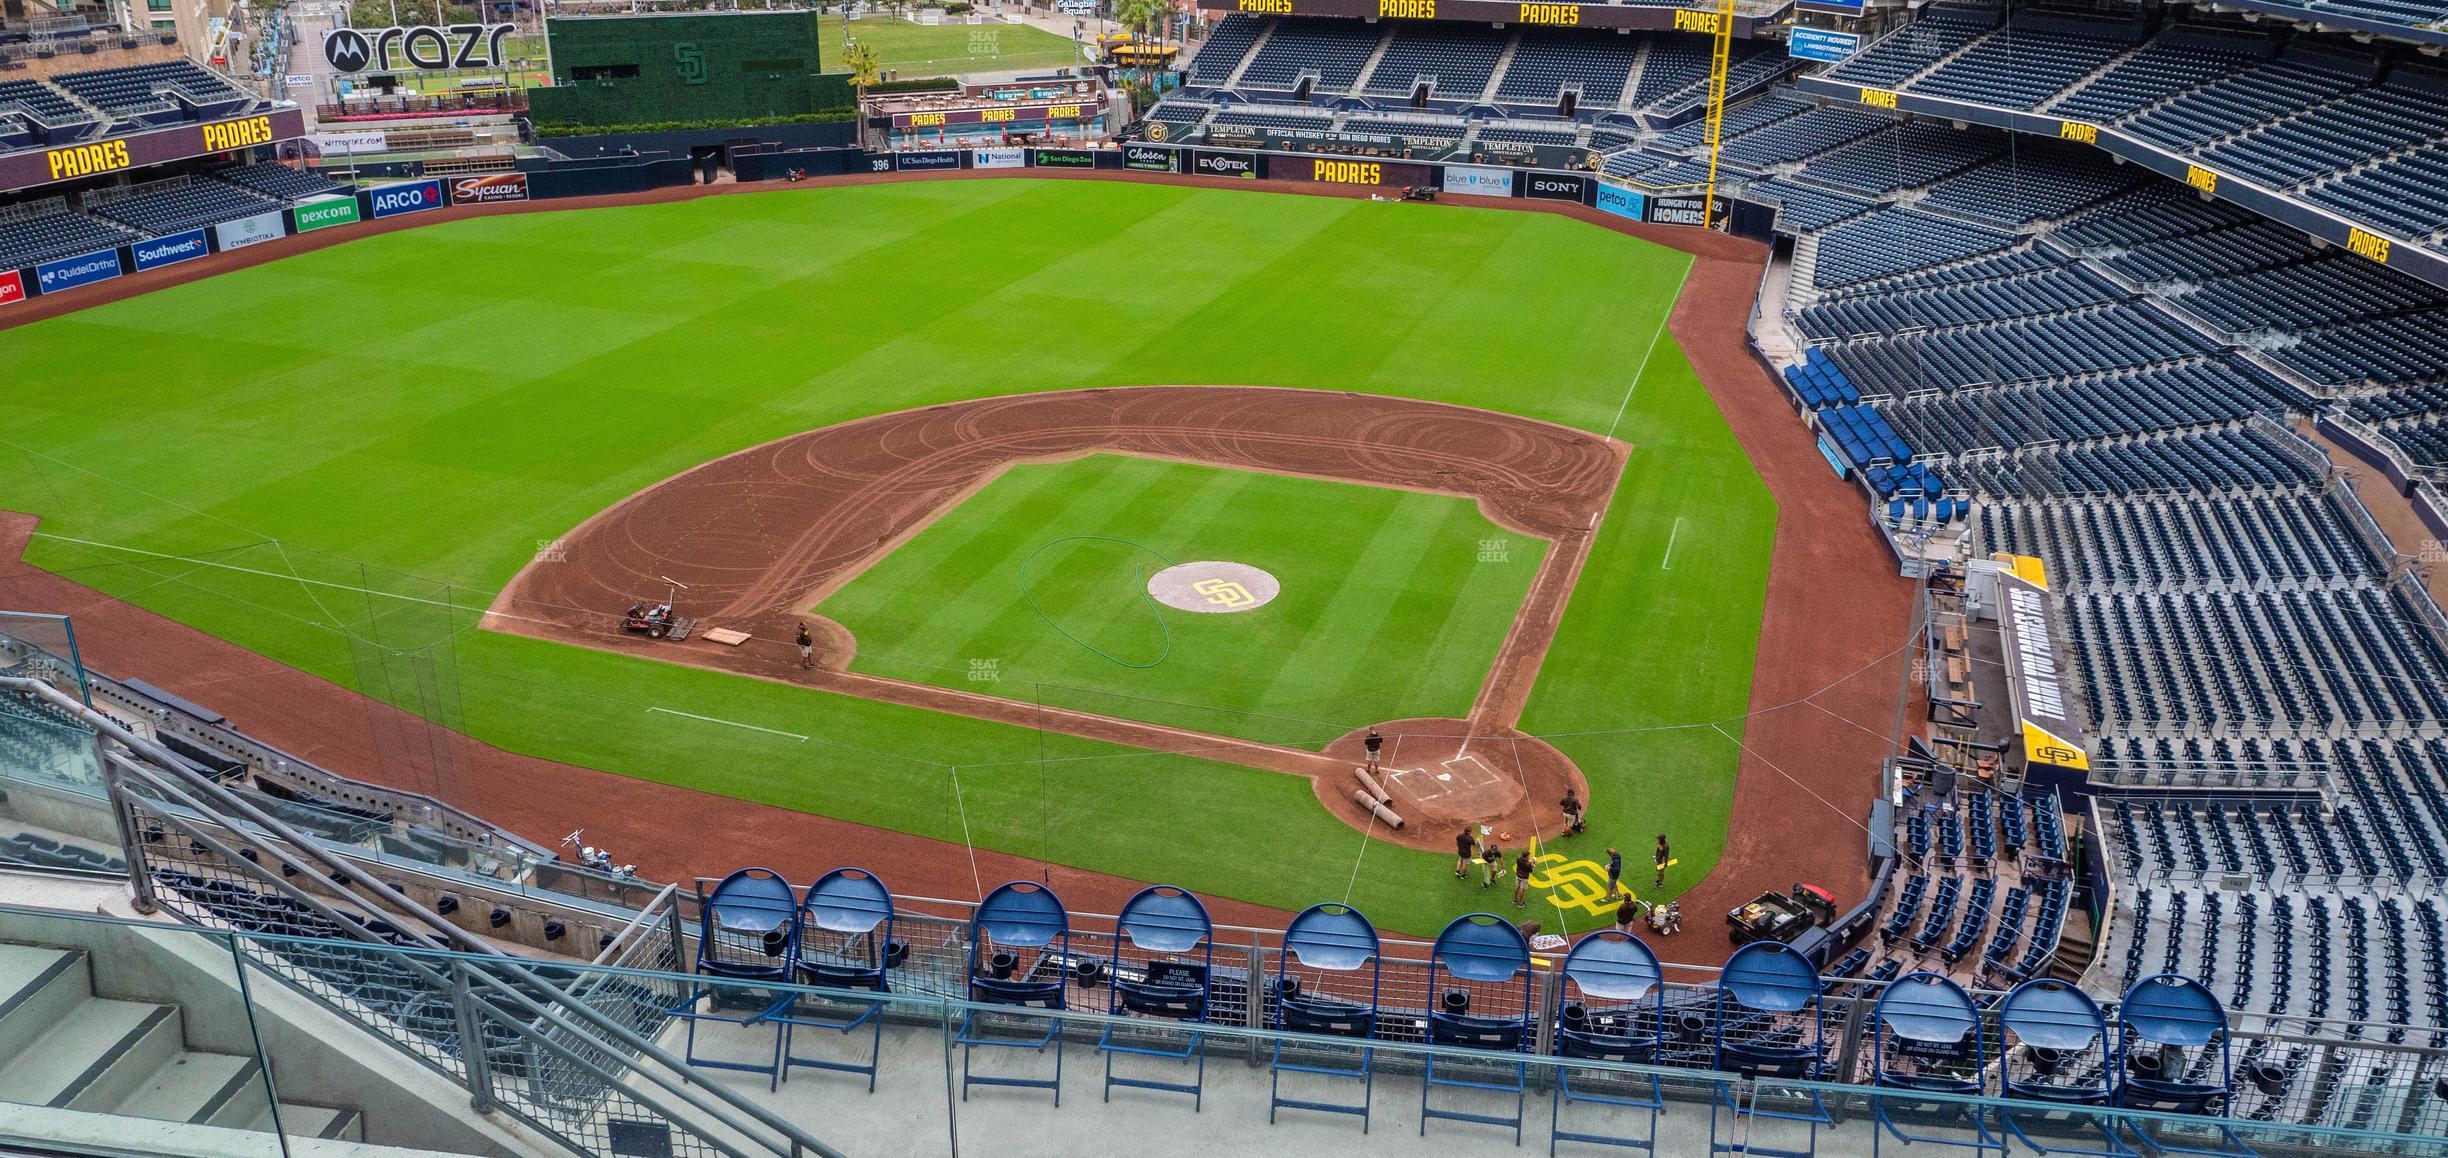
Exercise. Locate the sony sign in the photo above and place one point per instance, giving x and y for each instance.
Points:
(423, 47)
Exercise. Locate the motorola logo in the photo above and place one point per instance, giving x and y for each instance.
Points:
(348, 50)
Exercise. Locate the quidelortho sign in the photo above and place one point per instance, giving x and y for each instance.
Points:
(171, 250)
(247, 231)
(424, 47)
(406, 197)
(325, 213)
(71, 272)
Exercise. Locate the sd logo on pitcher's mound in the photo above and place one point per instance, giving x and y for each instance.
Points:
(1213, 587)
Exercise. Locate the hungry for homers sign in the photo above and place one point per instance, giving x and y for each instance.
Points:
(2035, 682)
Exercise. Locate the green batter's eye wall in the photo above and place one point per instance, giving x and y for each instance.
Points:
(627, 71)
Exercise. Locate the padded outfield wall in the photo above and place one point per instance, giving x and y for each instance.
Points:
(687, 69)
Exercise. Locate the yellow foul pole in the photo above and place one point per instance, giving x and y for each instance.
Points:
(1719, 60)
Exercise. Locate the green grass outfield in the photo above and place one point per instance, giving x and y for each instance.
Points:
(1387, 609)
(950, 49)
(435, 402)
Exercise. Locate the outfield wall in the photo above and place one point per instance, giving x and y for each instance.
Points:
(756, 160)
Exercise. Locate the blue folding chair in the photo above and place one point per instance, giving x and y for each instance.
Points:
(2053, 1052)
(1017, 918)
(1485, 953)
(1326, 947)
(1771, 1022)
(2159, 1019)
(1614, 1010)
(1925, 1036)
(845, 942)
(747, 931)
(1163, 960)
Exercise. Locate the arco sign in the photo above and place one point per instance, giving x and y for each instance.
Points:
(420, 47)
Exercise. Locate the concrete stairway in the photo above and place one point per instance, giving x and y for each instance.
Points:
(64, 1046)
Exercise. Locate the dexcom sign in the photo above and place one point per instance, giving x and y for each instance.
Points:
(411, 197)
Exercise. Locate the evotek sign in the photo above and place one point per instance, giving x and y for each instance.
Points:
(412, 197)
(1224, 164)
(423, 47)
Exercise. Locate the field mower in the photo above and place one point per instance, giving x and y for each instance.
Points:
(656, 620)
(1419, 193)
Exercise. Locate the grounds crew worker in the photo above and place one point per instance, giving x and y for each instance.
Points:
(807, 648)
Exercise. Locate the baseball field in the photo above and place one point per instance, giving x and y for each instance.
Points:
(342, 459)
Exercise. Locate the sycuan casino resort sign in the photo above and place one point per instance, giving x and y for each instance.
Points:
(92, 158)
(1634, 17)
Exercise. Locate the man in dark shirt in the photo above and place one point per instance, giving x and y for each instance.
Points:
(1466, 845)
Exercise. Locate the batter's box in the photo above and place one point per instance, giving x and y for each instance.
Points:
(1463, 775)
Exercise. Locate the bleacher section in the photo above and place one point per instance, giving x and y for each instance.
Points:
(278, 181)
(28, 240)
(179, 205)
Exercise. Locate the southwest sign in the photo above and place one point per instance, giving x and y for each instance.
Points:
(169, 250)
(68, 162)
(421, 47)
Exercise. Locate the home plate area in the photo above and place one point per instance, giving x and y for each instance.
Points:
(1427, 788)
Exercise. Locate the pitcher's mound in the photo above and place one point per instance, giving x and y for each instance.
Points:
(1213, 587)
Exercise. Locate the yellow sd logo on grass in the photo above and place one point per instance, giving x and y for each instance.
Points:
(1575, 885)
(1224, 592)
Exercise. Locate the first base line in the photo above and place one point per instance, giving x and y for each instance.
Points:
(730, 723)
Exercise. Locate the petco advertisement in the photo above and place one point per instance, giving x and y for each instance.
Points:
(488, 189)
(998, 158)
(1478, 181)
(408, 197)
(169, 250)
(71, 272)
(248, 231)
(1622, 202)
(1149, 159)
(12, 287)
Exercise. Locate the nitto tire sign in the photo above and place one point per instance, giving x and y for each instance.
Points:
(248, 231)
(1224, 164)
(423, 47)
(1478, 182)
(71, 272)
(1148, 159)
(12, 287)
(411, 197)
(932, 159)
(169, 250)
(1549, 187)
